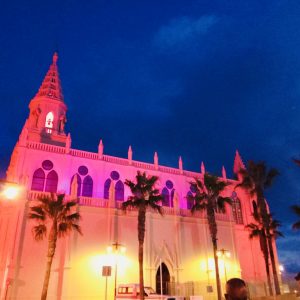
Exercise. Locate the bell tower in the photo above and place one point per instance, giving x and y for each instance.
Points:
(47, 116)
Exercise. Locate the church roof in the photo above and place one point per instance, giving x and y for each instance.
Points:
(51, 86)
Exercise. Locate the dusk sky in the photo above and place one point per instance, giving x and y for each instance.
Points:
(197, 79)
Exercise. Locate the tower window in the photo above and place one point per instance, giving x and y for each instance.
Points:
(49, 122)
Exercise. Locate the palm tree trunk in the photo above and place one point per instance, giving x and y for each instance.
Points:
(215, 249)
(141, 237)
(275, 275)
(264, 214)
(213, 233)
(51, 251)
(264, 248)
(268, 275)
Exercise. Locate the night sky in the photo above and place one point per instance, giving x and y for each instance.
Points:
(190, 78)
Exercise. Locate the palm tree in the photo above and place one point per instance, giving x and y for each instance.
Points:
(144, 195)
(255, 179)
(296, 209)
(257, 230)
(56, 216)
(207, 198)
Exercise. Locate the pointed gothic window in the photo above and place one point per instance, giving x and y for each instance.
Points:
(78, 184)
(87, 186)
(106, 188)
(38, 180)
(236, 209)
(119, 191)
(49, 122)
(189, 202)
(166, 197)
(172, 198)
(51, 182)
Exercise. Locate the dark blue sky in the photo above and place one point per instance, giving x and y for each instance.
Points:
(190, 78)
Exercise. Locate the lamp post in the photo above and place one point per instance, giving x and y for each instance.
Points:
(116, 248)
(224, 254)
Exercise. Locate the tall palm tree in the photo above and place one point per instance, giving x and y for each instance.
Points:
(296, 209)
(208, 198)
(56, 217)
(257, 230)
(255, 179)
(144, 196)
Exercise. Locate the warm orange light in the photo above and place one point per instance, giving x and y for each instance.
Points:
(10, 192)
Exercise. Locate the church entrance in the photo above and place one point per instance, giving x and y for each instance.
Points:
(165, 279)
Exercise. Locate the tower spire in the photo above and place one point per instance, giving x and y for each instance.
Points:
(51, 86)
(47, 116)
(238, 163)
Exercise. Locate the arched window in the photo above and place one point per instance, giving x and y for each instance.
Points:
(237, 209)
(106, 188)
(189, 202)
(166, 197)
(51, 182)
(49, 122)
(119, 191)
(78, 184)
(38, 180)
(172, 198)
(87, 186)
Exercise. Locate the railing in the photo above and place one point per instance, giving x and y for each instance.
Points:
(115, 160)
(46, 147)
(112, 159)
(84, 154)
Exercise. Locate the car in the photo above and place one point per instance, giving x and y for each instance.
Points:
(131, 291)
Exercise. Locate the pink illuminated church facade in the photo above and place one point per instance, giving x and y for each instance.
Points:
(43, 161)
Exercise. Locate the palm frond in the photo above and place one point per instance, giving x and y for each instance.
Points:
(39, 232)
(270, 177)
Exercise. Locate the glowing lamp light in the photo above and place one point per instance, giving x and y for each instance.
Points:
(11, 192)
(281, 268)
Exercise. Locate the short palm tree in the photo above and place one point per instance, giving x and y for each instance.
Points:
(255, 179)
(296, 209)
(257, 230)
(144, 196)
(55, 218)
(208, 198)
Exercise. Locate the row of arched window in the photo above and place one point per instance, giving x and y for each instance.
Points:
(46, 179)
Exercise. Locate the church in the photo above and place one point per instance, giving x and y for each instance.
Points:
(178, 253)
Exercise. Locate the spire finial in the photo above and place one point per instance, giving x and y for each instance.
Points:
(180, 165)
(55, 57)
(224, 175)
(130, 155)
(202, 167)
(238, 163)
(156, 160)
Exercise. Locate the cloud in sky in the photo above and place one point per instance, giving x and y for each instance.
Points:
(183, 30)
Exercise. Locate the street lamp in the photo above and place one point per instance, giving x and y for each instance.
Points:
(224, 254)
(117, 249)
(9, 190)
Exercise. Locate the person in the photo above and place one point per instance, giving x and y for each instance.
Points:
(236, 289)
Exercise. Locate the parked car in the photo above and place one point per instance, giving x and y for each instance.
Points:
(131, 291)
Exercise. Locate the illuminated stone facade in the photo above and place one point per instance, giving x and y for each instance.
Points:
(44, 161)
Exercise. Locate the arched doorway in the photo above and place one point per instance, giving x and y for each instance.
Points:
(165, 279)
